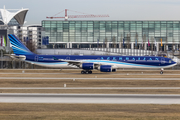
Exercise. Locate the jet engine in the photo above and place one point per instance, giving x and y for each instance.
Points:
(87, 66)
(106, 68)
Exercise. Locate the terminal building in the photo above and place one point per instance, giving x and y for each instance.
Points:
(146, 35)
(12, 22)
(87, 37)
(8, 19)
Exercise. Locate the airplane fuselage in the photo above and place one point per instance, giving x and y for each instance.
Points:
(118, 61)
(104, 63)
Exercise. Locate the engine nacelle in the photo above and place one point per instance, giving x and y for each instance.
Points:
(105, 68)
(87, 66)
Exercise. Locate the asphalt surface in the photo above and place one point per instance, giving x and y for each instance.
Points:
(95, 78)
(95, 73)
(90, 98)
(89, 88)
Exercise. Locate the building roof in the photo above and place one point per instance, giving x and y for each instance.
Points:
(7, 16)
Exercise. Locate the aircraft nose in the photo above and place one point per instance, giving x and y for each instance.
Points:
(175, 63)
(176, 60)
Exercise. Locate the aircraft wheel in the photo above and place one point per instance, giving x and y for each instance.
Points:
(82, 72)
(161, 72)
(89, 72)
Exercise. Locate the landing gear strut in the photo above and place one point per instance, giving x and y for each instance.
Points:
(161, 71)
(86, 72)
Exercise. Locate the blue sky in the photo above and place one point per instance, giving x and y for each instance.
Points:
(116, 9)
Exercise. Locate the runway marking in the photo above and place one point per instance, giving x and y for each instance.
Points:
(88, 88)
(90, 98)
(90, 78)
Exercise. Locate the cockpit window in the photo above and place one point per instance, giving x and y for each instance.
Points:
(169, 61)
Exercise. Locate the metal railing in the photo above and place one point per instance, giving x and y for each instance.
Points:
(129, 52)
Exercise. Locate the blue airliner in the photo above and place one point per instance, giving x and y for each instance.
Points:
(104, 63)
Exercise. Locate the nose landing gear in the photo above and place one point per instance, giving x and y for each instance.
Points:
(161, 71)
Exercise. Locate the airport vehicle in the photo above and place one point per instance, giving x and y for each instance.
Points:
(103, 63)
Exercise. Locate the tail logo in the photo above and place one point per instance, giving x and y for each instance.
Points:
(18, 47)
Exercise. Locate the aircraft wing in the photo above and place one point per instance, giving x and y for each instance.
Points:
(72, 62)
(79, 62)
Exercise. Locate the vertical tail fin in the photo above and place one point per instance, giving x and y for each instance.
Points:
(18, 47)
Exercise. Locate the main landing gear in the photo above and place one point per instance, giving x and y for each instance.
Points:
(86, 72)
(161, 71)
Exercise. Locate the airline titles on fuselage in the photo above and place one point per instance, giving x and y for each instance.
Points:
(156, 59)
(130, 58)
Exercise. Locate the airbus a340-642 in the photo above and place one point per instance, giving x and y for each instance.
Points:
(87, 63)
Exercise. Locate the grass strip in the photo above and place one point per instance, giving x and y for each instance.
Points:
(95, 91)
(28, 111)
(87, 83)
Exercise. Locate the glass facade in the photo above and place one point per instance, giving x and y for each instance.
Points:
(112, 31)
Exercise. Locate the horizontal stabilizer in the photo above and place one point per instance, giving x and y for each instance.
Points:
(13, 56)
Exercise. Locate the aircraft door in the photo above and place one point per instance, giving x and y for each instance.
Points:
(162, 60)
(67, 58)
(36, 58)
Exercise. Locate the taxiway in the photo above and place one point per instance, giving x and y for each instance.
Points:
(90, 98)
